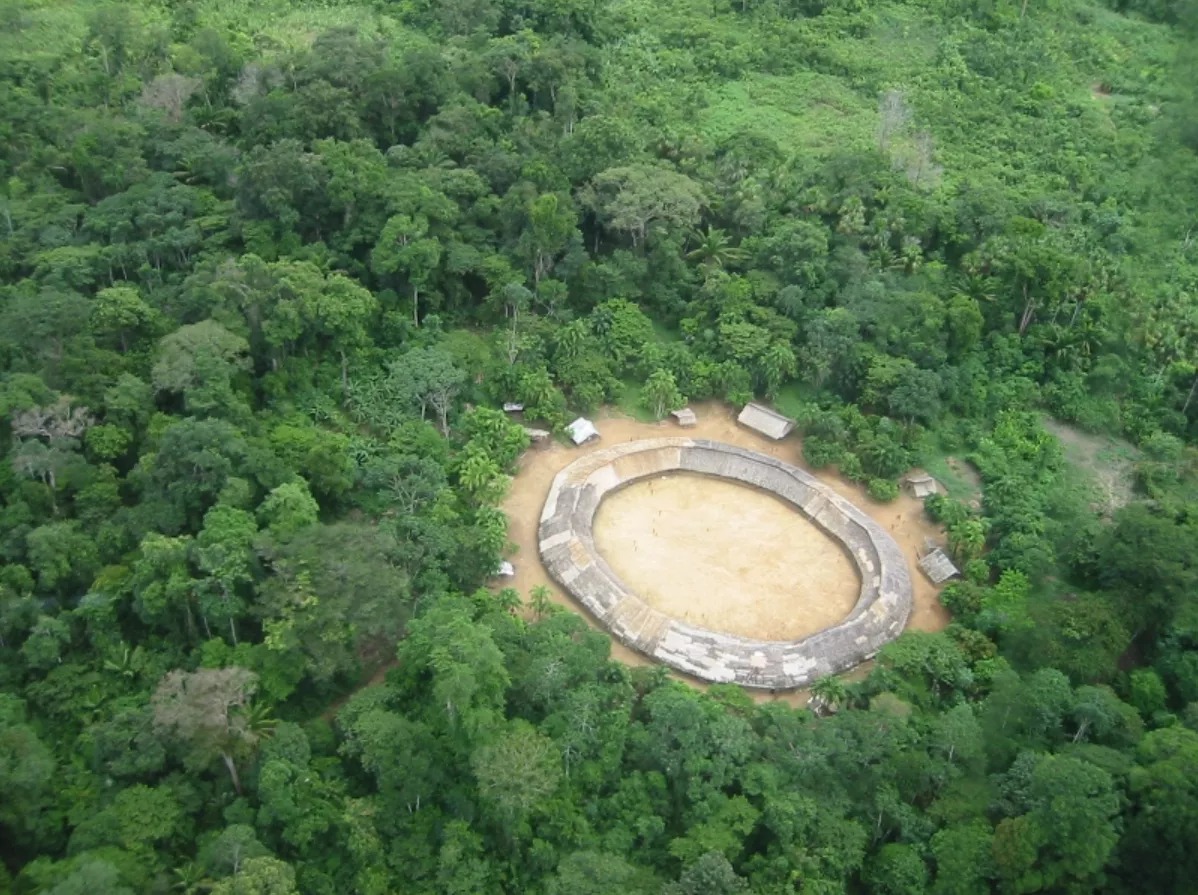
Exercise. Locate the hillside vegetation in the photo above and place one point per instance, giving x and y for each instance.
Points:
(268, 269)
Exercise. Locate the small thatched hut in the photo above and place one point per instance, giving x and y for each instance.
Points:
(921, 485)
(768, 422)
(938, 567)
(685, 417)
(582, 430)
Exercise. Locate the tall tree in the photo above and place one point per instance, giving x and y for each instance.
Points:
(637, 199)
(206, 713)
(200, 361)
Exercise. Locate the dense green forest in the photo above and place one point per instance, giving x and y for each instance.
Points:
(266, 270)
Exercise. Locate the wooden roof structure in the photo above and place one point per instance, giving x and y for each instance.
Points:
(768, 422)
(938, 567)
(582, 430)
(685, 417)
(921, 485)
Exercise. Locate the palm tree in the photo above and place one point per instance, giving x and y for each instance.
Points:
(190, 879)
(509, 599)
(124, 665)
(978, 286)
(715, 249)
(830, 691)
(540, 601)
(259, 723)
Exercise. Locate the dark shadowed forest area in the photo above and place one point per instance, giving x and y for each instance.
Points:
(267, 272)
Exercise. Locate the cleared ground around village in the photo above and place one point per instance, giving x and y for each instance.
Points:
(903, 518)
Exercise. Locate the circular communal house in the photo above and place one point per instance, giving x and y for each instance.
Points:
(567, 546)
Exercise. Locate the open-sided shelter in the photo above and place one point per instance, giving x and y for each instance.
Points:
(768, 422)
(938, 567)
(685, 417)
(582, 430)
(921, 485)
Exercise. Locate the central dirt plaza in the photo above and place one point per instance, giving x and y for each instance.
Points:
(722, 556)
(568, 549)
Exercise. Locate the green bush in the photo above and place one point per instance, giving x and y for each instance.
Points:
(978, 571)
(850, 467)
(821, 453)
(882, 490)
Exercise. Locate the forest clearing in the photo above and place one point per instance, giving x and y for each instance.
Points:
(275, 278)
(786, 600)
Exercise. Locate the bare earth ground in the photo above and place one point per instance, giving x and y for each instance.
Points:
(903, 518)
(726, 557)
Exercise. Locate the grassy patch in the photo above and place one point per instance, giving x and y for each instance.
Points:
(958, 477)
(295, 25)
(48, 30)
(791, 400)
(1102, 464)
(628, 401)
(808, 111)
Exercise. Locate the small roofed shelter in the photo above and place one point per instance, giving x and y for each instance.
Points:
(938, 567)
(922, 485)
(768, 422)
(822, 707)
(512, 407)
(505, 570)
(538, 437)
(685, 417)
(582, 430)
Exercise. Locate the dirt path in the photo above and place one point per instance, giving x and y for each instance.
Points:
(370, 678)
(903, 518)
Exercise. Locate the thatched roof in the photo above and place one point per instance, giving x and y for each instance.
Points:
(768, 422)
(921, 485)
(686, 417)
(938, 567)
(582, 430)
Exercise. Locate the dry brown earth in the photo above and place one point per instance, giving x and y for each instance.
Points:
(791, 573)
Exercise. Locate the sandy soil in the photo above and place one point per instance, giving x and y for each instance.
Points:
(903, 518)
(726, 557)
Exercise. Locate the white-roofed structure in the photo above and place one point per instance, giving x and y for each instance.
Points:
(768, 422)
(685, 417)
(582, 430)
(922, 485)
